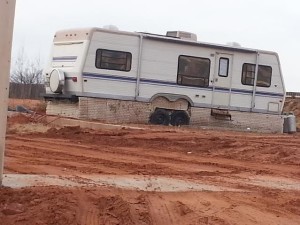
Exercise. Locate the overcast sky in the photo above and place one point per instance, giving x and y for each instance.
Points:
(262, 24)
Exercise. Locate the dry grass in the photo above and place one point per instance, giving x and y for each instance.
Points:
(35, 105)
(27, 128)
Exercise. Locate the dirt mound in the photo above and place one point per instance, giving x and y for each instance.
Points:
(279, 149)
(68, 131)
(114, 210)
(68, 206)
(63, 206)
(37, 206)
(19, 118)
(23, 123)
(293, 105)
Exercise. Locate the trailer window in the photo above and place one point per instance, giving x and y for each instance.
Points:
(223, 67)
(264, 75)
(113, 60)
(193, 71)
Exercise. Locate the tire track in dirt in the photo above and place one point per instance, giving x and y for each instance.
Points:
(94, 159)
(87, 213)
(130, 152)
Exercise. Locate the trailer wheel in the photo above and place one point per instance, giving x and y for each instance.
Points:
(160, 117)
(179, 118)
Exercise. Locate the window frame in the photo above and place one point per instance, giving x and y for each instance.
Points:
(243, 78)
(227, 71)
(190, 85)
(98, 66)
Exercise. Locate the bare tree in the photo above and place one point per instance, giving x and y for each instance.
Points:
(26, 71)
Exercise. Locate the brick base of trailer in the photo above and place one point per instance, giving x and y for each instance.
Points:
(121, 112)
(248, 121)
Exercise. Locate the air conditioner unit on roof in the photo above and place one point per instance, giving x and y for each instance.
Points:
(182, 35)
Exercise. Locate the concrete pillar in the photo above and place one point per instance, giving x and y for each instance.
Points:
(7, 14)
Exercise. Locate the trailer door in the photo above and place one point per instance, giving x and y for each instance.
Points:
(222, 80)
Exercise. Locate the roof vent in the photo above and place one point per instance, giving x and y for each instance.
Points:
(234, 44)
(111, 27)
(182, 35)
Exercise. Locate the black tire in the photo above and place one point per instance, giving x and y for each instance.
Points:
(160, 117)
(179, 118)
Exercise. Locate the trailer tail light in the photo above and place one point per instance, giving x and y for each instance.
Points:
(74, 79)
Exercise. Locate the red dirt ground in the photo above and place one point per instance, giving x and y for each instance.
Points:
(249, 162)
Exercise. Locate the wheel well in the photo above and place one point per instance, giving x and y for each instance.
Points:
(172, 98)
(177, 102)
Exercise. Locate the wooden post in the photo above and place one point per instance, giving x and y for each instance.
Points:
(7, 14)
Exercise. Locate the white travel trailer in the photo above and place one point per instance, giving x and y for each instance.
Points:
(136, 77)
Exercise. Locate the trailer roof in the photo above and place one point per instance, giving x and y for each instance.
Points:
(86, 34)
(198, 43)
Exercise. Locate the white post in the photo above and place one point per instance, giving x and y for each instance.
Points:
(7, 14)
